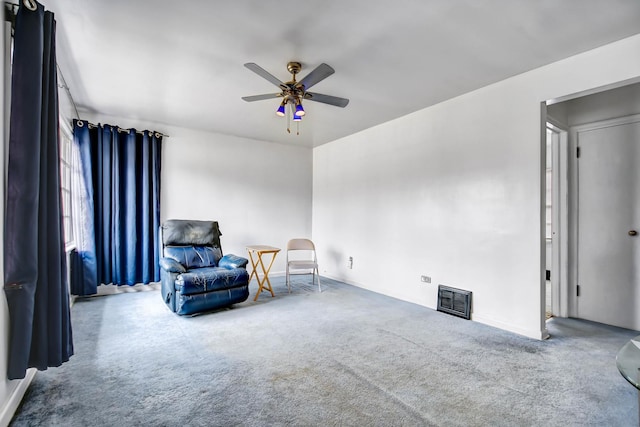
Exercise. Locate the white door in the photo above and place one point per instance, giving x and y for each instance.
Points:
(608, 220)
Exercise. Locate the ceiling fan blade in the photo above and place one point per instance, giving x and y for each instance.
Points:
(326, 99)
(261, 97)
(263, 73)
(320, 73)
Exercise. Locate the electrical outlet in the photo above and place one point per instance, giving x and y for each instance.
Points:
(425, 279)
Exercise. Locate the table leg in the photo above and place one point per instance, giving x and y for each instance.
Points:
(253, 269)
(265, 277)
(266, 272)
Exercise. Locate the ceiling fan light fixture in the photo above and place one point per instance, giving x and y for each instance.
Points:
(296, 117)
(280, 111)
(299, 109)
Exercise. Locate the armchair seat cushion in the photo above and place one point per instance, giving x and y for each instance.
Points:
(209, 279)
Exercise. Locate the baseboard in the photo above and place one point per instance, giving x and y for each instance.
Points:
(349, 282)
(536, 334)
(15, 397)
(113, 289)
(271, 273)
(124, 289)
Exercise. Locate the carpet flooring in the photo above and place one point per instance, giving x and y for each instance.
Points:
(343, 357)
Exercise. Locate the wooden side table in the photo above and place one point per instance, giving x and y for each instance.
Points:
(258, 251)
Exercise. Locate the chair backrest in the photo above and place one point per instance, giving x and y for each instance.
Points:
(300, 245)
(304, 249)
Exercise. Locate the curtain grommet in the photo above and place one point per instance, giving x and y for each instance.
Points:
(30, 4)
(80, 123)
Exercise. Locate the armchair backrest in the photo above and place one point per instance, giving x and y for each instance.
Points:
(192, 243)
(182, 232)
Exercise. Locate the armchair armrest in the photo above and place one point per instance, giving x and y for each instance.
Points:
(172, 266)
(230, 261)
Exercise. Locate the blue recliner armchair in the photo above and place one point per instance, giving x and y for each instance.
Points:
(194, 275)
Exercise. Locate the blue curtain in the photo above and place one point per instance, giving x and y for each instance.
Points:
(35, 267)
(120, 206)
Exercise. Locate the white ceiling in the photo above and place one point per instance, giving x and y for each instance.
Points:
(180, 63)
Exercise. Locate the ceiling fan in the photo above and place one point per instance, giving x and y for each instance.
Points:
(293, 92)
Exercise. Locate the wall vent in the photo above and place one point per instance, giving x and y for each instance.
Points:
(454, 301)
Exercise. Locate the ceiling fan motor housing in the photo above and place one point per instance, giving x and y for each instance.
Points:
(294, 68)
(293, 91)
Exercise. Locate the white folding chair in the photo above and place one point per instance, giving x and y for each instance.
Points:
(303, 257)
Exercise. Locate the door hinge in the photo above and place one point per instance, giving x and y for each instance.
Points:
(578, 152)
(578, 290)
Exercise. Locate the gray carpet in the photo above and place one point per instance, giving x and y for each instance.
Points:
(343, 357)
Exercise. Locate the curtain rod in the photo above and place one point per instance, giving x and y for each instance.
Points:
(119, 129)
(65, 86)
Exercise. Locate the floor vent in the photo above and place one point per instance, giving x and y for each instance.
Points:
(454, 301)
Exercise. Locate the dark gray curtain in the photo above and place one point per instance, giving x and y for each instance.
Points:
(34, 259)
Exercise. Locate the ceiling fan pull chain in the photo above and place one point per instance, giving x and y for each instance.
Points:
(288, 118)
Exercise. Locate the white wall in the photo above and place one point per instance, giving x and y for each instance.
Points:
(454, 191)
(259, 192)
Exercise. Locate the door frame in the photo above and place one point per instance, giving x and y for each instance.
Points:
(574, 185)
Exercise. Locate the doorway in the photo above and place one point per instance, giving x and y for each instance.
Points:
(583, 230)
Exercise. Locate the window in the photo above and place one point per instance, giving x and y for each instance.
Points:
(66, 168)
